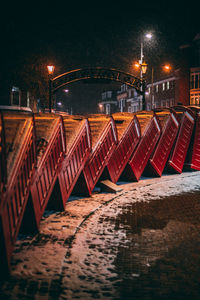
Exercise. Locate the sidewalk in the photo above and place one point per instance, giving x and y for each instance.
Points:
(84, 251)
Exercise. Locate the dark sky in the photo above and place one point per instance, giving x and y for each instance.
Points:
(76, 34)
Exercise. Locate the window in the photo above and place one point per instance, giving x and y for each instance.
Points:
(107, 109)
(156, 88)
(163, 86)
(109, 94)
(195, 80)
(122, 104)
(167, 85)
(195, 99)
(124, 88)
(104, 96)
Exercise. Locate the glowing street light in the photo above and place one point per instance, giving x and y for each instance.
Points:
(149, 35)
(167, 68)
(50, 69)
(143, 67)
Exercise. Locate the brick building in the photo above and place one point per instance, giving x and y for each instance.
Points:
(182, 86)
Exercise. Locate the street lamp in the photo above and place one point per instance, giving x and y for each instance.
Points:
(143, 66)
(167, 68)
(143, 72)
(50, 69)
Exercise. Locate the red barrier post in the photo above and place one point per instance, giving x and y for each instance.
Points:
(78, 140)
(151, 131)
(20, 163)
(128, 130)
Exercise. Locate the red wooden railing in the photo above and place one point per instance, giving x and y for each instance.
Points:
(50, 145)
(128, 130)
(193, 154)
(41, 166)
(21, 159)
(151, 130)
(179, 152)
(78, 149)
(170, 126)
(104, 141)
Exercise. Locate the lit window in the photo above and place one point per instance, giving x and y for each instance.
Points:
(167, 85)
(163, 86)
(107, 109)
(156, 88)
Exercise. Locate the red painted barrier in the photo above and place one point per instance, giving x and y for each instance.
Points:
(179, 151)
(50, 146)
(151, 130)
(128, 130)
(193, 155)
(104, 141)
(20, 159)
(78, 140)
(3, 171)
(170, 126)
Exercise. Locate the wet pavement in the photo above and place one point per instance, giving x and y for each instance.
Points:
(140, 243)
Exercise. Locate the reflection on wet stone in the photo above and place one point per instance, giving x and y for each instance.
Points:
(162, 258)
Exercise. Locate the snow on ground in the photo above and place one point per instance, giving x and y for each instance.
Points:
(81, 244)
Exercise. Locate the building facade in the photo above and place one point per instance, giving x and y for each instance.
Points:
(195, 86)
(108, 103)
(182, 86)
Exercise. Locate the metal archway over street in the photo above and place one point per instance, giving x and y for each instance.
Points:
(96, 73)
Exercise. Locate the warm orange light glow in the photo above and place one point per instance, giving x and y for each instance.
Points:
(144, 67)
(50, 69)
(137, 65)
(166, 68)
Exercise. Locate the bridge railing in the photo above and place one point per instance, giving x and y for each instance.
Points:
(128, 131)
(20, 163)
(78, 148)
(104, 141)
(50, 147)
(151, 130)
(178, 154)
(3, 171)
(170, 125)
(193, 154)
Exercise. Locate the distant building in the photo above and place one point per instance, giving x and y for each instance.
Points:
(182, 86)
(190, 54)
(108, 103)
(22, 99)
(195, 86)
(168, 91)
(128, 99)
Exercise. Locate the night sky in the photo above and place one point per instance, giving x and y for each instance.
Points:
(77, 34)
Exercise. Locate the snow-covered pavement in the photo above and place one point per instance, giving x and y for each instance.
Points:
(80, 253)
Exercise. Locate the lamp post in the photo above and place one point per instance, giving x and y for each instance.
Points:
(50, 69)
(143, 67)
